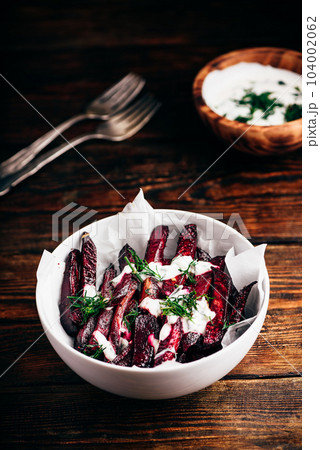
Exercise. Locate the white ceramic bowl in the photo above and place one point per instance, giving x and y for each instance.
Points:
(160, 382)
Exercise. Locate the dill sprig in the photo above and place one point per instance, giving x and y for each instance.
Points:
(98, 352)
(256, 102)
(243, 119)
(293, 112)
(207, 297)
(130, 318)
(141, 267)
(182, 306)
(89, 306)
(226, 325)
(189, 275)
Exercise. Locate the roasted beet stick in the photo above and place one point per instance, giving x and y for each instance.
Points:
(145, 340)
(84, 334)
(156, 244)
(240, 303)
(169, 345)
(124, 253)
(125, 304)
(102, 325)
(150, 288)
(70, 320)
(219, 304)
(203, 283)
(106, 288)
(89, 264)
(218, 262)
(187, 242)
(125, 356)
(192, 339)
(202, 255)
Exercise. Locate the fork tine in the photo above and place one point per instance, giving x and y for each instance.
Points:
(123, 114)
(128, 93)
(143, 119)
(140, 109)
(144, 114)
(116, 87)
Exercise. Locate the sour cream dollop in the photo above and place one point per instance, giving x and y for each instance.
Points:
(223, 89)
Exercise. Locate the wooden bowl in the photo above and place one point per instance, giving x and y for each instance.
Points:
(258, 140)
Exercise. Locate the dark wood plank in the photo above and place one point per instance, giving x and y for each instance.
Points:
(60, 93)
(229, 414)
(263, 194)
(161, 158)
(143, 23)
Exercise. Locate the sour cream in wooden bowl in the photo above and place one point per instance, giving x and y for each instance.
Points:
(254, 94)
(251, 99)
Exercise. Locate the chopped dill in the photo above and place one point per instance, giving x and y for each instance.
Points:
(130, 318)
(181, 306)
(98, 352)
(293, 112)
(89, 306)
(243, 119)
(226, 325)
(298, 92)
(187, 273)
(257, 102)
(140, 267)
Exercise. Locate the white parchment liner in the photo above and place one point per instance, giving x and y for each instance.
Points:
(133, 226)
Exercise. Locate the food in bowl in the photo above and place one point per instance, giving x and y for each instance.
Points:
(245, 263)
(251, 138)
(156, 311)
(254, 93)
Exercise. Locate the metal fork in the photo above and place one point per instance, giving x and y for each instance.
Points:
(103, 107)
(118, 128)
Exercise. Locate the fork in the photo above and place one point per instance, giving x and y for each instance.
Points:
(103, 107)
(119, 127)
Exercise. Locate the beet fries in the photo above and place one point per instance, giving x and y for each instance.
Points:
(125, 252)
(89, 263)
(239, 304)
(106, 286)
(146, 325)
(219, 304)
(156, 244)
(119, 331)
(145, 340)
(70, 319)
(191, 340)
(105, 317)
(187, 245)
(156, 310)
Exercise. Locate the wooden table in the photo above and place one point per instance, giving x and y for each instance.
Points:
(60, 56)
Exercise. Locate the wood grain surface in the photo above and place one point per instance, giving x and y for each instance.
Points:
(60, 56)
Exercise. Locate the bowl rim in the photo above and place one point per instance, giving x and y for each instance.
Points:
(201, 104)
(164, 368)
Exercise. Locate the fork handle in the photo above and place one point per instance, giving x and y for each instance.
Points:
(12, 180)
(24, 156)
